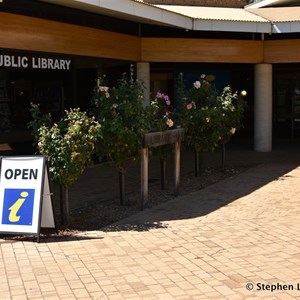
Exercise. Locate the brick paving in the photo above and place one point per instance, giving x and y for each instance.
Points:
(236, 239)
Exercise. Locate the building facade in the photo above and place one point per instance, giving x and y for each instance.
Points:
(51, 52)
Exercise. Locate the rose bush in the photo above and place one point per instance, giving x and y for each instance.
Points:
(123, 119)
(68, 144)
(199, 114)
(231, 106)
(209, 118)
(161, 115)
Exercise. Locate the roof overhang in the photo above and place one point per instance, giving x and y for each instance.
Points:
(268, 3)
(282, 19)
(285, 27)
(188, 18)
(229, 26)
(129, 10)
(222, 19)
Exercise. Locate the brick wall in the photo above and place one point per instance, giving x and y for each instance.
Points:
(213, 3)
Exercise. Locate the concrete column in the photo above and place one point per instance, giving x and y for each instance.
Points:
(263, 104)
(143, 73)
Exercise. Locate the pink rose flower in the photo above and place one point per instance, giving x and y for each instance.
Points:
(158, 94)
(189, 106)
(170, 123)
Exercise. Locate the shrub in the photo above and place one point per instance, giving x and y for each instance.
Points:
(123, 120)
(68, 145)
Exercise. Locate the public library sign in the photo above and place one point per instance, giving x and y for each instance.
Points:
(30, 61)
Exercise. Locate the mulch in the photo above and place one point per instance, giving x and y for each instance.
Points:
(99, 215)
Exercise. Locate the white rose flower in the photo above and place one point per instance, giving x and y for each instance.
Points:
(197, 84)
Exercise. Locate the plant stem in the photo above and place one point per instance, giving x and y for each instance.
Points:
(122, 188)
(64, 205)
(163, 173)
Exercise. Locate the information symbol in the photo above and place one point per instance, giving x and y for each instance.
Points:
(18, 206)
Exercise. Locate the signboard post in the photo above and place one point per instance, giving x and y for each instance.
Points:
(25, 198)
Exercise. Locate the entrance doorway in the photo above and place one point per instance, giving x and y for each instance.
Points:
(286, 104)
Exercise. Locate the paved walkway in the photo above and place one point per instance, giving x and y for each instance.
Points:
(237, 239)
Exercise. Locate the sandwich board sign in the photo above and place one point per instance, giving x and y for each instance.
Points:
(25, 198)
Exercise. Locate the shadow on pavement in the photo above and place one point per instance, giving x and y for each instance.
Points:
(272, 166)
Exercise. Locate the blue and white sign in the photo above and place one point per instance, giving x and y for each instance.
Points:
(18, 206)
(25, 199)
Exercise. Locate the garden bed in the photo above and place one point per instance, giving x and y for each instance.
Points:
(104, 213)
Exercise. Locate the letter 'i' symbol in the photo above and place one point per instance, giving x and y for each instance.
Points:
(15, 208)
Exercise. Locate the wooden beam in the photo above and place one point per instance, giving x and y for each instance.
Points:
(33, 34)
(201, 50)
(282, 51)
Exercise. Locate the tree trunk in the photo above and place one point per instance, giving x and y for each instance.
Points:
(122, 188)
(64, 205)
(199, 168)
(163, 173)
(197, 163)
(223, 157)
